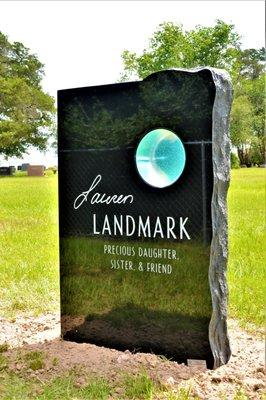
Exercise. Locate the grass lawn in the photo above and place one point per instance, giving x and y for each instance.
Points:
(29, 284)
(29, 279)
(247, 269)
(28, 245)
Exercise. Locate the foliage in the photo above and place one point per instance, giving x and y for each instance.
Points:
(250, 63)
(26, 111)
(234, 161)
(247, 120)
(53, 169)
(241, 123)
(217, 46)
(257, 151)
(173, 47)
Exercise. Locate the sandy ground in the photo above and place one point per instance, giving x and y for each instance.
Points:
(245, 369)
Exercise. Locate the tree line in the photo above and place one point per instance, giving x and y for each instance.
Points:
(27, 112)
(218, 46)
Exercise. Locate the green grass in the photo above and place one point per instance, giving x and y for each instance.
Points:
(16, 386)
(3, 362)
(35, 360)
(4, 347)
(63, 387)
(139, 387)
(28, 245)
(247, 244)
(29, 279)
(29, 283)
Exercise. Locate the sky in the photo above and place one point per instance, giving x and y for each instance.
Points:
(80, 42)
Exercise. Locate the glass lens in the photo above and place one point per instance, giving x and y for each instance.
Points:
(160, 158)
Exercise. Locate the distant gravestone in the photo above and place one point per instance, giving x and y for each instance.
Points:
(24, 166)
(143, 177)
(35, 170)
(6, 171)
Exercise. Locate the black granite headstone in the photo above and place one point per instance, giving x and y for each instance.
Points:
(6, 171)
(138, 242)
(24, 166)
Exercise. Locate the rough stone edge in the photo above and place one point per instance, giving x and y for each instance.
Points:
(221, 148)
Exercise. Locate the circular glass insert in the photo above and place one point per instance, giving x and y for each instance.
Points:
(160, 158)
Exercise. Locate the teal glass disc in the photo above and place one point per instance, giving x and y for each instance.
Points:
(160, 158)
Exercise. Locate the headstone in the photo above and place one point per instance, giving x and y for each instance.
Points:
(143, 176)
(35, 170)
(6, 171)
(24, 166)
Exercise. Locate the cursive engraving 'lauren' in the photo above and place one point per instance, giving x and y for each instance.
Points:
(100, 198)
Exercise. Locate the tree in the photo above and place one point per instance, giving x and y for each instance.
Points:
(26, 112)
(252, 89)
(218, 46)
(241, 124)
(173, 47)
(251, 63)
